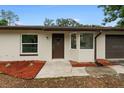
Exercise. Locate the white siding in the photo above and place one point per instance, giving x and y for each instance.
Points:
(86, 55)
(10, 46)
(82, 55)
(101, 46)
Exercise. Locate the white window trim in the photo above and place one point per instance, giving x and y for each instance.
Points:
(29, 43)
(78, 40)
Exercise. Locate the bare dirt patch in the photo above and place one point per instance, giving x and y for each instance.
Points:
(101, 70)
(62, 82)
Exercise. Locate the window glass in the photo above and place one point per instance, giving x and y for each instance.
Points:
(86, 41)
(29, 38)
(29, 43)
(29, 48)
(73, 41)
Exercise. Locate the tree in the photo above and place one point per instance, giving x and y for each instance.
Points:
(113, 13)
(61, 22)
(48, 22)
(9, 16)
(67, 22)
(3, 22)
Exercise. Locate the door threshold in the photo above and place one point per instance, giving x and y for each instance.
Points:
(58, 59)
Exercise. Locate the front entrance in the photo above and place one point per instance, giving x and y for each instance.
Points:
(57, 46)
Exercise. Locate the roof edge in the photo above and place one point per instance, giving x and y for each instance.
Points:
(55, 28)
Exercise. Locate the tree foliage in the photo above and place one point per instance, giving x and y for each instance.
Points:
(9, 16)
(49, 22)
(61, 22)
(3, 22)
(113, 13)
(68, 22)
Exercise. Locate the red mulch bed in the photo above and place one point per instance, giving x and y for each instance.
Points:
(21, 69)
(104, 62)
(82, 64)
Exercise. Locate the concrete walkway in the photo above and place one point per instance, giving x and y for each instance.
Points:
(64, 69)
(118, 68)
(60, 69)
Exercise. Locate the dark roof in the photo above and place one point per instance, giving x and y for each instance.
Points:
(20, 27)
(61, 28)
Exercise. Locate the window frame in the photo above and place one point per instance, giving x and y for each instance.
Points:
(71, 39)
(92, 41)
(30, 53)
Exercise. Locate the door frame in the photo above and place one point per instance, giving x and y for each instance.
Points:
(63, 46)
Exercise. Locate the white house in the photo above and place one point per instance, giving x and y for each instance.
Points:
(61, 43)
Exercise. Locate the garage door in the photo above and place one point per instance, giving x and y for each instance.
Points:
(114, 46)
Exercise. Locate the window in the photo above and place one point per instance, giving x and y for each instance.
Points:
(86, 41)
(73, 41)
(29, 43)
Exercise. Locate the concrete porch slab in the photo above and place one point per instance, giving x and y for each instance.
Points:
(79, 71)
(54, 69)
(60, 69)
(118, 68)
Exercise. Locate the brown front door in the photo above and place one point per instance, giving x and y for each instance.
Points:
(57, 45)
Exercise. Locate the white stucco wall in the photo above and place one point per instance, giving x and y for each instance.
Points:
(86, 55)
(10, 48)
(82, 55)
(101, 46)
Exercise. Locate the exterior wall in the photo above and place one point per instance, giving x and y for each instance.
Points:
(82, 55)
(10, 48)
(74, 53)
(87, 55)
(101, 44)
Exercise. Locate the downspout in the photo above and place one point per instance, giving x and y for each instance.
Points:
(95, 43)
